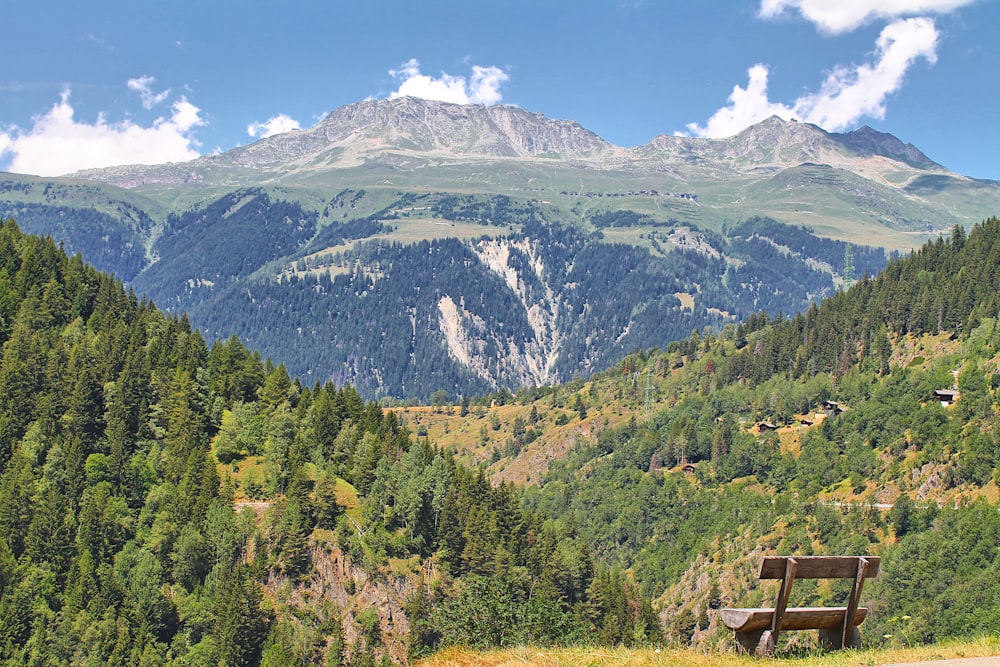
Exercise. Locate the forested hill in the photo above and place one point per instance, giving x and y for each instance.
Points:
(167, 503)
(866, 425)
(402, 294)
(947, 285)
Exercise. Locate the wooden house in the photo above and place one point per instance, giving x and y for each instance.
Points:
(833, 408)
(946, 396)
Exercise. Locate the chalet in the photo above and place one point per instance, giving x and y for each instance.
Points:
(806, 422)
(946, 396)
(766, 426)
(688, 468)
(833, 408)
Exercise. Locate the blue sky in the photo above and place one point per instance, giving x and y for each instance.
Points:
(100, 83)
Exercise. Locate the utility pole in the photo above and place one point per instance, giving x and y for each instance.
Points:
(848, 265)
(647, 409)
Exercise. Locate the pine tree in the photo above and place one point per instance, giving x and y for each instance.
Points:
(241, 624)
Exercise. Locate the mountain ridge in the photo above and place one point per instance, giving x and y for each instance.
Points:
(870, 187)
(356, 133)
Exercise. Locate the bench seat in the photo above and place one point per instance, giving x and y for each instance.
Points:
(795, 618)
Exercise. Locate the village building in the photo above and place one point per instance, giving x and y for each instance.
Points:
(946, 396)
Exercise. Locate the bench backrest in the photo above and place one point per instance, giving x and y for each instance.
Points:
(819, 567)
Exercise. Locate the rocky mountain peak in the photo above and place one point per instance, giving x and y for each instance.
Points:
(779, 140)
(868, 141)
(408, 133)
(414, 124)
(771, 143)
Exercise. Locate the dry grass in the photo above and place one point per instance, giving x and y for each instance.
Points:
(615, 657)
(446, 428)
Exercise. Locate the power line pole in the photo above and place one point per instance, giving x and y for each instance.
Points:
(647, 408)
(848, 265)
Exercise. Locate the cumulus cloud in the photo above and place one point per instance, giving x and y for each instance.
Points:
(838, 16)
(483, 87)
(143, 86)
(847, 94)
(850, 93)
(746, 106)
(275, 125)
(57, 144)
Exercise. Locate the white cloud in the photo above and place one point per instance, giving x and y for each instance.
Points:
(57, 144)
(485, 84)
(276, 125)
(483, 87)
(99, 42)
(143, 86)
(847, 94)
(747, 106)
(838, 16)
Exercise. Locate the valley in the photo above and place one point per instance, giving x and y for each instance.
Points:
(296, 241)
(415, 380)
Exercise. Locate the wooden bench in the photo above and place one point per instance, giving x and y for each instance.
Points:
(757, 630)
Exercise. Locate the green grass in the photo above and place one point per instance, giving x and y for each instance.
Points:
(414, 230)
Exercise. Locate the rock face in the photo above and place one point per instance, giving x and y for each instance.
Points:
(352, 590)
(529, 361)
(427, 126)
(360, 132)
(775, 144)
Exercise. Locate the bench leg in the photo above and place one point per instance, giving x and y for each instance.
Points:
(766, 645)
(748, 641)
(759, 643)
(831, 638)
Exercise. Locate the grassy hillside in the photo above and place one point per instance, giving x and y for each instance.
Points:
(601, 657)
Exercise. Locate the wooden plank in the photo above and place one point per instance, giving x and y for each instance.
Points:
(852, 600)
(795, 618)
(791, 565)
(819, 567)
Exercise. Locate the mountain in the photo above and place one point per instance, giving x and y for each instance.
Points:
(864, 190)
(409, 246)
(358, 134)
(865, 140)
(428, 131)
(865, 186)
(775, 143)
(501, 307)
